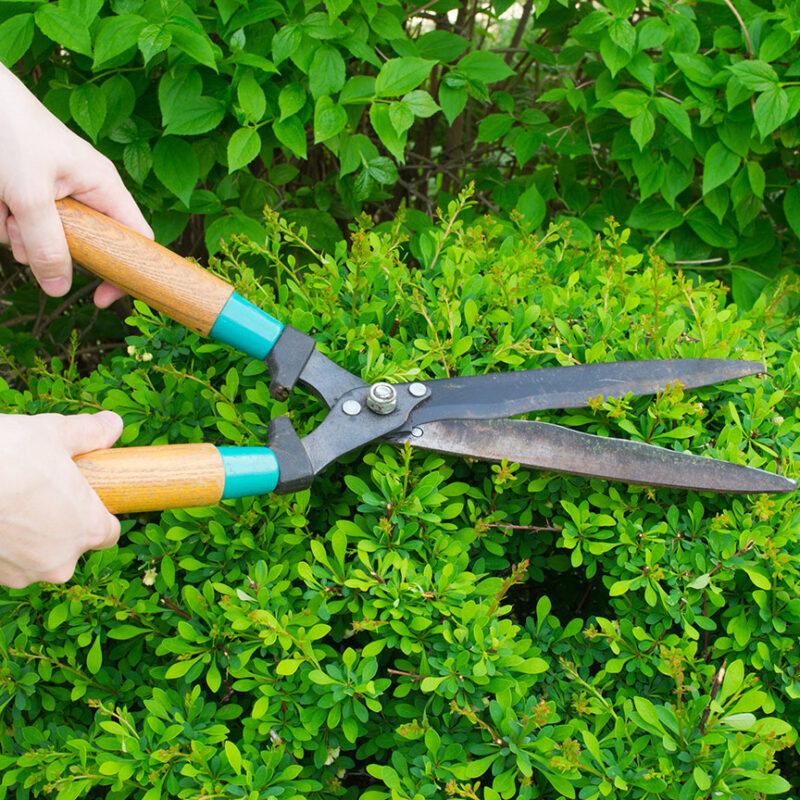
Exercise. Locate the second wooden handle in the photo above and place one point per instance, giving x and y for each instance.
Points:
(144, 269)
(130, 479)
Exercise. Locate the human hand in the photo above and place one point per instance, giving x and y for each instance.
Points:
(41, 161)
(49, 515)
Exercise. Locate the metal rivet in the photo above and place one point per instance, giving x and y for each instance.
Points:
(417, 389)
(415, 431)
(382, 398)
(351, 407)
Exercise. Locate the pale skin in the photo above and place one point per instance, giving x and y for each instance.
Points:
(49, 515)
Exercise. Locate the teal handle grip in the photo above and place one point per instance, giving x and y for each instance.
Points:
(248, 471)
(246, 327)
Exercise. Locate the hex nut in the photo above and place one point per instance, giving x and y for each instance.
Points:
(382, 398)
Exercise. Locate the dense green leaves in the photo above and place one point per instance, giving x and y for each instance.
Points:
(414, 622)
(592, 110)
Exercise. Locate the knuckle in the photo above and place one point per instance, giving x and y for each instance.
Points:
(48, 260)
(60, 574)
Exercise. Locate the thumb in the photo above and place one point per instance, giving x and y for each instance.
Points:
(83, 433)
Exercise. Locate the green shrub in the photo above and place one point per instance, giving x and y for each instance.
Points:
(679, 119)
(416, 626)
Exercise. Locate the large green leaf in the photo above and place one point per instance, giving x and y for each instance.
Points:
(327, 72)
(243, 147)
(330, 119)
(176, 166)
(115, 35)
(16, 35)
(381, 121)
(719, 166)
(251, 97)
(770, 110)
(675, 115)
(481, 65)
(400, 75)
(64, 27)
(87, 104)
(290, 132)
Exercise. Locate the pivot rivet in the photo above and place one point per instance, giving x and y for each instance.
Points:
(417, 389)
(382, 398)
(351, 407)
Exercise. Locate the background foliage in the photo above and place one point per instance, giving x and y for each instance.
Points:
(678, 119)
(417, 626)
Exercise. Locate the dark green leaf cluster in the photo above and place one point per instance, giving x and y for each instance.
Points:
(680, 120)
(416, 626)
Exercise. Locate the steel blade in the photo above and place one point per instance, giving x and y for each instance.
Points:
(544, 446)
(505, 394)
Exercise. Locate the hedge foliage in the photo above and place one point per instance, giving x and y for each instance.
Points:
(417, 626)
(679, 119)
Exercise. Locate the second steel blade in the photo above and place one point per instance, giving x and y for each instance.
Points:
(540, 445)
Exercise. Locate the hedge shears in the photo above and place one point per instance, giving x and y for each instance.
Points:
(465, 416)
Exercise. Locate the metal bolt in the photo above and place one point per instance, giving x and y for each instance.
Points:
(382, 398)
(351, 407)
(417, 389)
(416, 432)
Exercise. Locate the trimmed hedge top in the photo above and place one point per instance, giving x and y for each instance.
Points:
(416, 626)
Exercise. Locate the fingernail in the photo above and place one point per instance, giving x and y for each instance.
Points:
(55, 287)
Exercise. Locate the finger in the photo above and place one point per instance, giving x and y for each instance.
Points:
(38, 228)
(15, 240)
(3, 220)
(83, 433)
(102, 528)
(105, 294)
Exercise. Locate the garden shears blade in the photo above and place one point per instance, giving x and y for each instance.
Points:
(464, 416)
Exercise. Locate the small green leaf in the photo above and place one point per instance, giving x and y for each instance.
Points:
(532, 206)
(285, 42)
(382, 125)
(195, 43)
(755, 75)
(401, 117)
(94, 658)
(420, 103)
(452, 101)
(675, 115)
(791, 208)
(234, 756)
(494, 127)
(154, 39)
(288, 666)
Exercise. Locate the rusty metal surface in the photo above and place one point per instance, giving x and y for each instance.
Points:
(540, 445)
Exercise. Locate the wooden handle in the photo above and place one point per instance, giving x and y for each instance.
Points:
(155, 478)
(146, 270)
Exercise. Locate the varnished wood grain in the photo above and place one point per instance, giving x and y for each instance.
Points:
(130, 479)
(184, 291)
